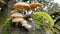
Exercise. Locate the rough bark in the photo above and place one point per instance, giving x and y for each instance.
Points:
(12, 29)
(10, 6)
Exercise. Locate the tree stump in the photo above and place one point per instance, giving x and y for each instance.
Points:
(12, 29)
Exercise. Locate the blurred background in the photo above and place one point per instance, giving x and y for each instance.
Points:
(52, 7)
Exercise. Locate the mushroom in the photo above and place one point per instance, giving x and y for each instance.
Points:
(24, 22)
(35, 5)
(22, 6)
(17, 20)
(27, 26)
(30, 19)
(17, 15)
(13, 11)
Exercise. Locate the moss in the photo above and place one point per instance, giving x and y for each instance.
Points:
(43, 15)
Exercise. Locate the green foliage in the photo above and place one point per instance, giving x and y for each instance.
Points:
(37, 15)
(7, 23)
(57, 27)
(56, 31)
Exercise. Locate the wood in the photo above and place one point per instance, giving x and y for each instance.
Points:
(10, 6)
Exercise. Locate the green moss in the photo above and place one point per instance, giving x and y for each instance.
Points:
(7, 23)
(43, 15)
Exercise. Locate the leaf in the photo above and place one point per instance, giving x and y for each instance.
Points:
(57, 26)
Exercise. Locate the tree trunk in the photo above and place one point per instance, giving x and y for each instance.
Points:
(10, 6)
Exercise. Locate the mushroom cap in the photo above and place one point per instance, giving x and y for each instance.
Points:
(27, 26)
(13, 11)
(35, 5)
(30, 19)
(22, 6)
(17, 15)
(24, 22)
(17, 20)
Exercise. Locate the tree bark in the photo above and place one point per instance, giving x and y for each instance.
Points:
(10, 6)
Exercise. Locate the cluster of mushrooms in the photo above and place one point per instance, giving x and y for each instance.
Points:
(18, 17)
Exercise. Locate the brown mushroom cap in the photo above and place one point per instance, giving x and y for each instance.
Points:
(17, 15)
(35, 5)
(22, 6)
(13, 11)
(16, 20)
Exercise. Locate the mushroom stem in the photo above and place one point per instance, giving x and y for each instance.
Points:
(16, 23)
(32, 12)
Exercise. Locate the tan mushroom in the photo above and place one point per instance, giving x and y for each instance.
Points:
(17, 20)
(35, 5)
(13, 11)
(30, 19)
(17, 15)
(27, 26)
(24, 22)
(22, 6)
